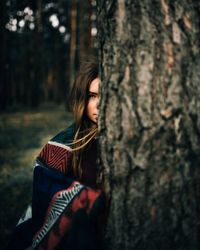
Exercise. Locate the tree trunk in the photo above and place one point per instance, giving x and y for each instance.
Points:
(150, 122)
(84, 29)
(73, 39)
(37, 74)
(3, 88)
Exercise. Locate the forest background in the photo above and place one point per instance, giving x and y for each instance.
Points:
(149, 124)
(41, 45)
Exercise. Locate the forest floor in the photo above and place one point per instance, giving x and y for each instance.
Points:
(22, 135)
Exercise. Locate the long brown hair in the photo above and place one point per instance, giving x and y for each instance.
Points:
(85, 131)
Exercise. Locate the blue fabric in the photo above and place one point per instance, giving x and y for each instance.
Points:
(66, 136)
(47, 182)
(22, 236)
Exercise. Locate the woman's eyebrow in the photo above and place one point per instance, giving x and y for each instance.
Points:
(93, 93)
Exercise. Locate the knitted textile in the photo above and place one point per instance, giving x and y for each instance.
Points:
(64, 213)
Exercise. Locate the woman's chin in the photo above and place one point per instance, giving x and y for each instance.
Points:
(94, 122)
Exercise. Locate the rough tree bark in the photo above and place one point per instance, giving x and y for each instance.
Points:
(150, 122)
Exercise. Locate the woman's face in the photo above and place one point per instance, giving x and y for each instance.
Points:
(92, 110)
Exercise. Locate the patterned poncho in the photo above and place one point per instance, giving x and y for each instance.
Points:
(64, 213)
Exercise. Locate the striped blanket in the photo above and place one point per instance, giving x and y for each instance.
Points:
(64, 213)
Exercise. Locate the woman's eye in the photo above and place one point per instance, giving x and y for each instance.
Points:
(92, 96)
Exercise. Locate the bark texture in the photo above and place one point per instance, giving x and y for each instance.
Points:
(150, 122)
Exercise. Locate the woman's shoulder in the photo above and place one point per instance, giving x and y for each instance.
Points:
(56, 153)
(65, 136)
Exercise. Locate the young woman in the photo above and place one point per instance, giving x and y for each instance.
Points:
(67, 200)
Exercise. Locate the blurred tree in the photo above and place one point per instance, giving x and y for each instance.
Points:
(3, 65)
(84, 27)
(81, 42)
(150, 122)
(40, 49)
(73, 40)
